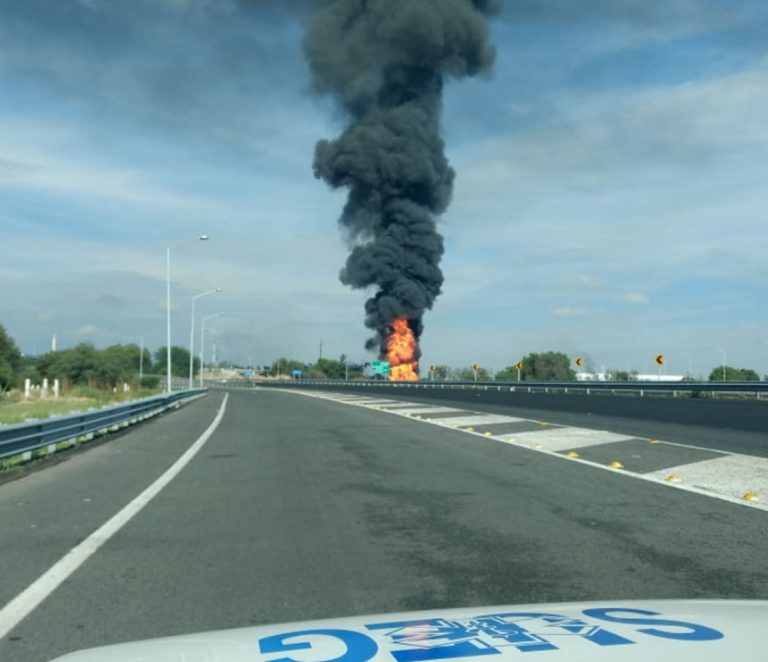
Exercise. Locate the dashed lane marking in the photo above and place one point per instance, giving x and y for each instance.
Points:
(732, 475)
(564, 439)
(474, 420)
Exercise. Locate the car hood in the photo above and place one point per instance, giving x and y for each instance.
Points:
(623, 631)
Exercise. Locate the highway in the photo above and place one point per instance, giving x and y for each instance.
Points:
(300, 507)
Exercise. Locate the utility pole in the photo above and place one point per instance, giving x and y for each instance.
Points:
(321, 348)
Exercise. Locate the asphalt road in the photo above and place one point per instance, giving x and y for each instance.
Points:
(731, 425)
(298, 508)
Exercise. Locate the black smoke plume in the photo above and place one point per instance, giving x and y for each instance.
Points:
(386, 62)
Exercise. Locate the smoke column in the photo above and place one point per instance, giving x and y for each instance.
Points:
(386, 62)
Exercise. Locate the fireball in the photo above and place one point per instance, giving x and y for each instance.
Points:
(402, 352)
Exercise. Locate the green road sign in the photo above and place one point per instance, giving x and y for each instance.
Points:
(380, 367)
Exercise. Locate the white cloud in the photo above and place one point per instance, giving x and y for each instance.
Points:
(568, 311)
(87, 330)
(635, 298)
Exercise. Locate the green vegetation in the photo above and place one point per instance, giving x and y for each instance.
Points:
(731, 374)
(14, 409)
(441, 373)
(84, 364)
(468, 375)
(321, 369)
(547, 366)
(285, 367)
(11, 361)
(179, 362)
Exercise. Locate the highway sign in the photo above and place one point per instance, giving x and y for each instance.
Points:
(519, 365)
(380, 368)
(660, 359)
(579, 362)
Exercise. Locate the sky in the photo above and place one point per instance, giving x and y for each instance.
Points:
(610, 199)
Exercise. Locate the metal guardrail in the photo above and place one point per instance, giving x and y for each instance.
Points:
(756, 389)
(31, 436)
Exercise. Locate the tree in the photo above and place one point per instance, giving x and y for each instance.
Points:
(179, 361)
(285, 367)
(11, 360)
(547, 366)
(75, 366)
(733, 374)
(508, 374)
(118, 364)
(330, 368)
(7, 376)
(468, 375)
(441, 373)
(625, 376)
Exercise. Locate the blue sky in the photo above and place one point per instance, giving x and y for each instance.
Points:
(610, 198)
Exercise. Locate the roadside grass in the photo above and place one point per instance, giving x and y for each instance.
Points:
(15, 409)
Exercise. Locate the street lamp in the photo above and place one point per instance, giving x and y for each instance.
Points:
(202, 342)
(202, 237)
(141, 360)
(218, 290)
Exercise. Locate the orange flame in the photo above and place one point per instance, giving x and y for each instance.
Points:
(402, 350)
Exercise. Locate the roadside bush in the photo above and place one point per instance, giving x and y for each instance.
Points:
(150, 382)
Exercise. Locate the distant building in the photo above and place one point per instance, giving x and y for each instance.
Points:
(607, 377)
(591, 377)
(660, 378)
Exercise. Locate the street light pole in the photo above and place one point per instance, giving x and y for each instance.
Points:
(202, 237)
(202, 343)
(167, 319)
(192, 333)
(722, 351)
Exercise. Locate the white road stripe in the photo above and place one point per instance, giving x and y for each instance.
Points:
(732, 475)
(561, 439)
(26, 601)
(475, 419)
(398, 405)
(421, 409)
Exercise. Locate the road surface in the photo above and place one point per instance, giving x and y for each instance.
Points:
(298, 507)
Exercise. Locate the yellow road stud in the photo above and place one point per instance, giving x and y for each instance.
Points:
(617, 465)
(751, 496)
(572, 454)
(672, 478)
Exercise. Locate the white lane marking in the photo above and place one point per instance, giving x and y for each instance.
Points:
(26, 601)
(734, 475)
(398, 405)
(561, 439)
(474, 419)
(422, 409)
